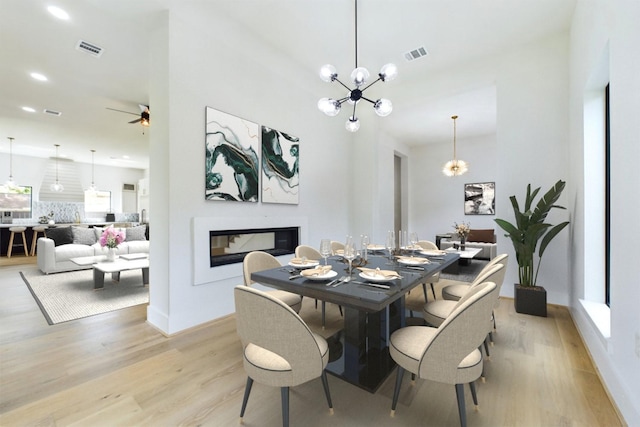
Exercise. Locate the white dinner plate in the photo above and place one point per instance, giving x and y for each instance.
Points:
(375, 247)
(376, 277)
(413, 261)
(433, 253)
(328, 275)
(307, 264)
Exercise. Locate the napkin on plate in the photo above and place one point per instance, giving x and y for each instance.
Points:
(302, 261)
(377, 272)
(318, 271)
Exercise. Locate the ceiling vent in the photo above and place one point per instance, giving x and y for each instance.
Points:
(89, 48)
(53, 113)
(415, 54)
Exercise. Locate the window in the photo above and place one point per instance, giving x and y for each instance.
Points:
(15, 199)
(607, 198)
(97, 201)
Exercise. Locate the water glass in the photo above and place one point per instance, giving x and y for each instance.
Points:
(325, 249)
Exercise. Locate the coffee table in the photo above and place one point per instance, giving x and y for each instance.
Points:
(465, 259)
(100, 267)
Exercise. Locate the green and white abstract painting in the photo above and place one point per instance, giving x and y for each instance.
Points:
(231, 161)
(280, 167)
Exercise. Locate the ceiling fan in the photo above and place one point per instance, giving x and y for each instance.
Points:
(145, 115)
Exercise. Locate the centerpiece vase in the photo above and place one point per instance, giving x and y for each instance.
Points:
(463, 240)
(111, 254)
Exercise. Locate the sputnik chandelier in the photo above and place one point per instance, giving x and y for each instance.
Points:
(454, 167)
(359, 76)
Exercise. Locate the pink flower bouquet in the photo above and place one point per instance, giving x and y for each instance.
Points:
(111, 237)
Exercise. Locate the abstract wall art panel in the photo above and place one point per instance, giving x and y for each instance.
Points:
(231, 161)
(480, 198)
(280, 170)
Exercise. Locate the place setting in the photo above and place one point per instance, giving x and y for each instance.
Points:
(377, 278)
(319, 273)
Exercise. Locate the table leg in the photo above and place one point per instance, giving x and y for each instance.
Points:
(365, 359)
(98, 279)
(115, 276)
(145, 276)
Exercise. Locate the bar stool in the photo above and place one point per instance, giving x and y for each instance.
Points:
(13, 231)
(34, 241)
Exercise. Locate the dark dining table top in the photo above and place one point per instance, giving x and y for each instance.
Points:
(356, 293)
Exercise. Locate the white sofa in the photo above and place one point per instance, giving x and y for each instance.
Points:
(55, 259)
(477, 239)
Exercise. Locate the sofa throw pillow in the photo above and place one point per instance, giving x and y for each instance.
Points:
(482, 235)
(135, 233)
(59, 235)
(83, 236)
(98, 232)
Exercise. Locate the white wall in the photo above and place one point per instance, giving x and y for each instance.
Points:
(598, 25)
(531, 146)
(212, 73)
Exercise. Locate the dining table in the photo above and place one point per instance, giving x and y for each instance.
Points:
(373, 306)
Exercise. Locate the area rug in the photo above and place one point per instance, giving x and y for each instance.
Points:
(68, 296)
(466, 273)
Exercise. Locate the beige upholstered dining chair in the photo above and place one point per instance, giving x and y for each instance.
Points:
(456, 291)
(435, 312)
(427, 246)
(259, 261)
(448, 354)
(279, 349)
(336, 246)
(309, 252)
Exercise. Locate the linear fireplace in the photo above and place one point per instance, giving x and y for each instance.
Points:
(231, 246)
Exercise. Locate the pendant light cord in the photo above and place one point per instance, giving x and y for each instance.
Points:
(10, 158)
(356, 37)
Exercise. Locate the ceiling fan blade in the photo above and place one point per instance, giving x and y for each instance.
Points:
(135, 121)
(121, 111)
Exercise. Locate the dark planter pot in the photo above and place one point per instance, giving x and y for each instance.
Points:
(530, 300)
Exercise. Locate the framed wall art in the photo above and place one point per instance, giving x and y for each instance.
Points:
(480, 198)
(231, 161)
(280, 167)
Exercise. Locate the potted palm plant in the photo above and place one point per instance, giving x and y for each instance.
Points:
(529, 230)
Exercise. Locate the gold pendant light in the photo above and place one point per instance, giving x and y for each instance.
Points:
(455, 167)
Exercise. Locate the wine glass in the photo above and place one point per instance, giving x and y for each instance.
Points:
(391, 243)
(325, 249)
(349, 253)
(364, 243)
(413, 238)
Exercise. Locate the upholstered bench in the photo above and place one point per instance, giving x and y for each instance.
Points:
(484, 239)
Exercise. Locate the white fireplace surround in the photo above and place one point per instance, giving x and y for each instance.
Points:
(201, 226)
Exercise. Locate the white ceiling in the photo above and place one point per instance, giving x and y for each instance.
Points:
(313, 32)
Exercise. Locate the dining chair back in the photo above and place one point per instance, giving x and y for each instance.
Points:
(456, 291)
(336, 246)
(428, 246)
(260, 261)
(308, 252)
(435, 312)
(279, 349)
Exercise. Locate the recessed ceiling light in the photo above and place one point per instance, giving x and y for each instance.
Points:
(125, 157)
(58, 13)
(29, 109)
(39, 76)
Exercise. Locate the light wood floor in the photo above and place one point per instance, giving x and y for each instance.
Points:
(116, 370)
